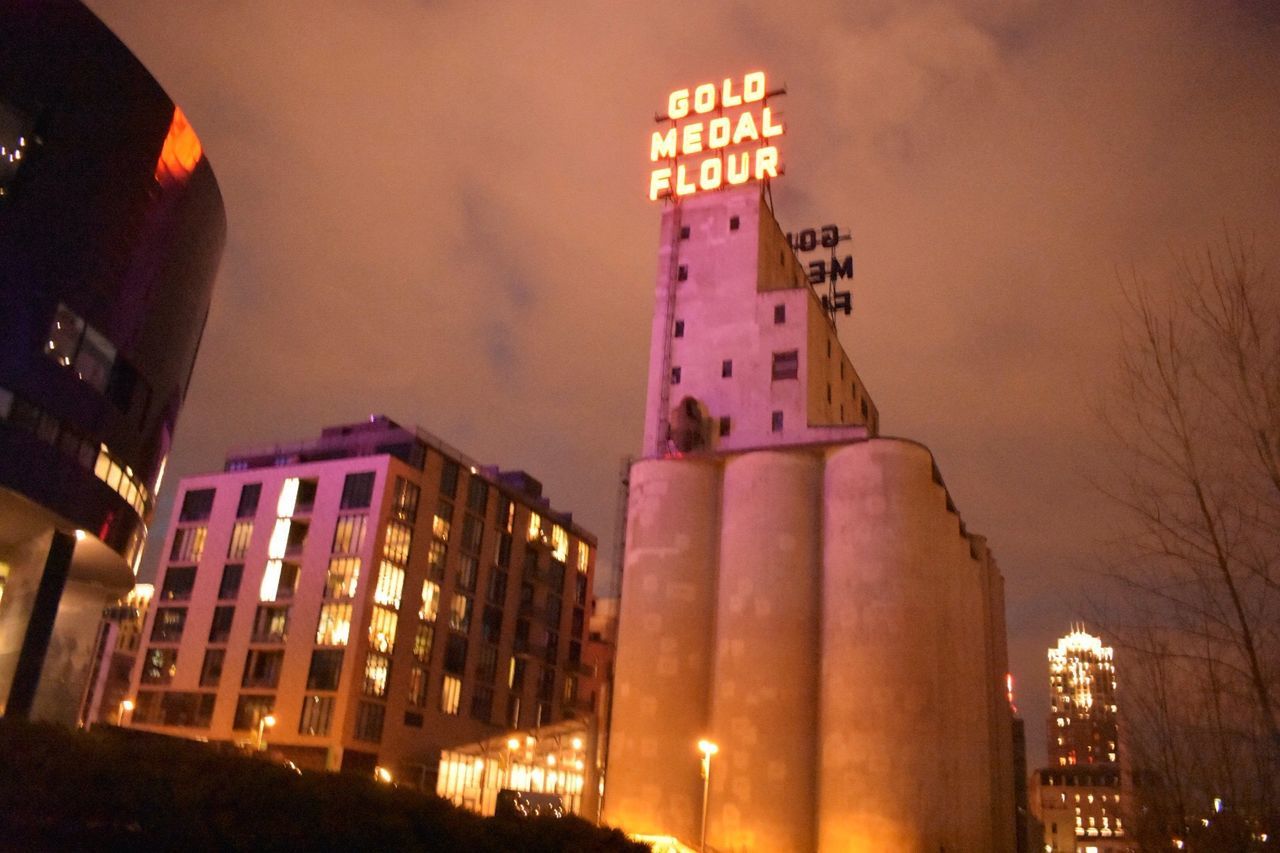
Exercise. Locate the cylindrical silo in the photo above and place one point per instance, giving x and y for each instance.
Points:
(881, 685)
(660, 700)
(764, 697)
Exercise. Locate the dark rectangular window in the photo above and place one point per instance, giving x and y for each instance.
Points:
(190, 710)
(449, 479)
(455, 654)
(786, 365)
(724, 424)
(777, 422)
(779, 314)
(357, 490)
(482, 702)
(306, 495)
(678, 331)
(491, 623)
(675, 376)
(317, 714)
(178, 583)
(169, 624)
(249, 495)
(220, 628)
(684, 232)
(487, 665)
(682, 274)
(196, 505)
(211, 670)
(580, 593)
(230, 584)
(726, 368)
(369, 717)
(477, 495)
(734, 223)
(262, 667)
(864, 408)
(270, 624)
(326, 668)
(497, 592)
(250, 710)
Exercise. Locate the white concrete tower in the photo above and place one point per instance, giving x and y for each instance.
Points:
(738, 329)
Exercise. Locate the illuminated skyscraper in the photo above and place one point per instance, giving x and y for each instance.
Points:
(1079, 797)
(1082, 718)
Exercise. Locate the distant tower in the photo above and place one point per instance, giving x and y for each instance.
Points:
(1082, 684)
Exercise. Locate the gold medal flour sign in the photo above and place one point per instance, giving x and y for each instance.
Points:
(717, 135)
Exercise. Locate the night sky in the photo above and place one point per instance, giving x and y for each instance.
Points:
(438, 211)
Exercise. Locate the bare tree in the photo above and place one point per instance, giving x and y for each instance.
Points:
(1196, 421)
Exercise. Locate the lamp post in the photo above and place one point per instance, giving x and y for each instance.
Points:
(126, 706)
(266, 722)
(708, 749)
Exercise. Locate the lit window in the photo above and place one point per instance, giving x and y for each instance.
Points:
(390, 585)
(334, 628)
(344, 574)
(451, 695)
(382, 629)
(430, 601)
(377, 668)
(188, 544)
(396, 544)
(241, 533)
(168, 624)
(418, 687)
(271, 624)
(460, 613)
(559, 543)
(423, 640)
(159, 666)
(348, 534)
(584, 557)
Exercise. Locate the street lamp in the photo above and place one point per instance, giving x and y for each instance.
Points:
(265, 723)
(126, 705)
(708, 749)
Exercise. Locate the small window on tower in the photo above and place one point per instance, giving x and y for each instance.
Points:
(733, 223)
(678, 332)
(786, 365)
(777, 421)
(684, 232)
(682, 274)
(675, 376)
(726, 368)
(724, 424)
(779, 314)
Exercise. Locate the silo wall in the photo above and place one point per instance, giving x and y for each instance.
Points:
(764, 696)
(663, 668)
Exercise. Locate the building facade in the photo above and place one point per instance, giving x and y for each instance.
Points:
(1079, 797)
(111, 227)
(107, 695)
(796, 589)
(366, 599)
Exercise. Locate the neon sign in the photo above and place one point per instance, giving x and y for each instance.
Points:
(705, 146)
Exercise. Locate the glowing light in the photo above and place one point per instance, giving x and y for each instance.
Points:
(181, 151)
(707, 748)
(577, 743)
(382, 774)
(80, 534)
(513, 743)
(127, 705)
(720, 131)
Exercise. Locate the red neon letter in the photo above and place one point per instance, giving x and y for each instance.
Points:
(727, 98)
(753, 87)
(767, 124)
(746, 129)
(704, 98)
(718, 132)
(683, 187)
(711, 174)
(739, 168)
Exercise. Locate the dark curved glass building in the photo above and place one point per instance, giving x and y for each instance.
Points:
(111, 227)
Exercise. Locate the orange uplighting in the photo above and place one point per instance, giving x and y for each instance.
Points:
(181, 151)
